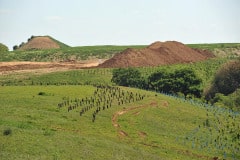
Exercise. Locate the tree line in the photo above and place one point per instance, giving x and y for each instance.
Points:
(183, 81)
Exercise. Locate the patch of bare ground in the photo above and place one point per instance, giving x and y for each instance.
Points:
(122, 133)
(40, 42)
(136, 113)
(117, 114)
(44, 67)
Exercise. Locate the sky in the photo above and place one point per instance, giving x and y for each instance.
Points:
(120, 22)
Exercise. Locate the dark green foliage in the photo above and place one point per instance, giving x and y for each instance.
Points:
(22, 44)
(231, 101)
(3, 48)
(127, 77)
(182, 80)
(15, 47)
(42, 94)
(7, 132)
(226, 81)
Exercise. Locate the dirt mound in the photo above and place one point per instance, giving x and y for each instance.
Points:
(40, 42)
(158, 53)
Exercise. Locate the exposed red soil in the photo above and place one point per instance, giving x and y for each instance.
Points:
(41, 42)
(117, 114)
(43, 67)
(158, 53)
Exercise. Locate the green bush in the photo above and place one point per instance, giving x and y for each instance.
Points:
(7, 132)
(226, 81)
(182, 80)
(126, 77)
(42, 94)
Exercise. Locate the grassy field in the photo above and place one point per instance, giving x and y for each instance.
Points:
(205, 70)
(92, 52)
(153, 128)
(68, 115)
(64, 54)
(213, 46)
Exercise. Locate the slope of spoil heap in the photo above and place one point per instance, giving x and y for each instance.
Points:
(158, 53)
(40, 42)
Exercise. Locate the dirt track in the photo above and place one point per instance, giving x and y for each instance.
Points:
(44, 67)
(117, 114)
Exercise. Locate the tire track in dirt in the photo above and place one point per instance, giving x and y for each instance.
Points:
(121, 112)
(143, 135)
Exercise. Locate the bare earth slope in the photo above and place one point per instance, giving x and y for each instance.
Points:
(40, 42)
(158, 53)
(44, 67)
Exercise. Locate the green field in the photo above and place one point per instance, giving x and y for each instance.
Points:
(64, 54)
(81, 114)
(156, 127)
(100, 52)
(205, 70)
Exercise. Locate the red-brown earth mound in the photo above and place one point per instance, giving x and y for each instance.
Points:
(158, 53)
(40, 42)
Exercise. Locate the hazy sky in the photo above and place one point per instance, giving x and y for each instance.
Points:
(120, 22)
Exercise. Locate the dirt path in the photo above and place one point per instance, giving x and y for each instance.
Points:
(142, 135)
(44, 67)
(117, 114)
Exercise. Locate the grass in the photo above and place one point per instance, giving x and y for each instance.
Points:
(90, 52)
(64, 53)
(205, 70)
(41, 130)
(212, 46)
(33, 126)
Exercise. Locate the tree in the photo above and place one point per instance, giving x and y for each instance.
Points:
(161, 81)
(21, 44)
(182, 80)
(226, 80)
(127, 77)
(187, 82)
(15, 47)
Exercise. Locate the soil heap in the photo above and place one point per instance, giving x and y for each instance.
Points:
(40, 42)
(158, 53)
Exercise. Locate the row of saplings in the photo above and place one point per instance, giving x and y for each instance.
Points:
(104, 97)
